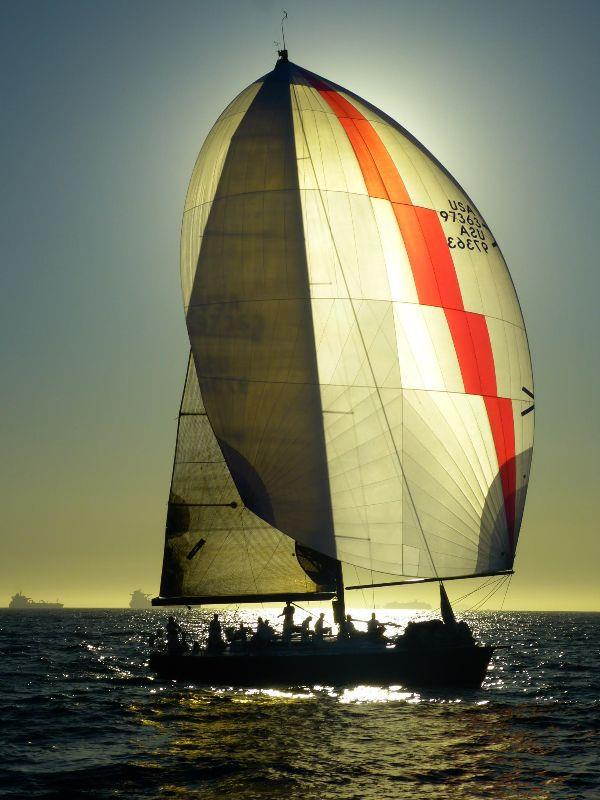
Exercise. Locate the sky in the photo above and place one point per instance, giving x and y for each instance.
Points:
(105, 106)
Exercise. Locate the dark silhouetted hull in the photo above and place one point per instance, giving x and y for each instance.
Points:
(462, 666)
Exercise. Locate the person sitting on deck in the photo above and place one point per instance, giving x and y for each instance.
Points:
(375, 629)
(269, 633)
(264, 633)
(320, 628)
(305, 631)
(183, 645)
(258, 637)
(349, 629)
(240, 634)
(215, 637)
(173, 631)
(288, 621)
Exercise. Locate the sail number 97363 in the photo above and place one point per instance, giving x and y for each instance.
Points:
(469, 244)
(471, 230)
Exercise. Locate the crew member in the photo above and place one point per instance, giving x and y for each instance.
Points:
(320, 628)
(288, 621)
(349, 628)
(240, 634)
(375, 629)
(215, 636)
(173, 631)
(305, 631)
(269, 633)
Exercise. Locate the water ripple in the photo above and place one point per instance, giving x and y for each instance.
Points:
(82, 717)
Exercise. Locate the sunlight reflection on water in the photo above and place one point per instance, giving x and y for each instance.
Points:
(85, 712)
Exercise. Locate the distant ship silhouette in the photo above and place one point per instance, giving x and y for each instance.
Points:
(20, 601)
(139, 600)
(411, 604)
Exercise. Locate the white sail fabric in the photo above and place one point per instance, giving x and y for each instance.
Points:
(356, 333)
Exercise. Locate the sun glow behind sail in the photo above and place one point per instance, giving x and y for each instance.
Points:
(356, 334)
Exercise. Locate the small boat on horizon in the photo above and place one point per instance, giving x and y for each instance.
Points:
(358, 391)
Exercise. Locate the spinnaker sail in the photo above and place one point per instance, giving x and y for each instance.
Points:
(358, 342)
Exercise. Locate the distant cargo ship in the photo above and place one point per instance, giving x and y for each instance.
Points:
(413, 605)
(20, 601)
(140, 600)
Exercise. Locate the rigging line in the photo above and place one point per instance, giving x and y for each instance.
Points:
(505, 592)
(244, 534)
(360, 333)
(362, 591)
(495, 586)
(372, 593)
(476, 589)
(492, 592)
(333, 275)
(491, 582)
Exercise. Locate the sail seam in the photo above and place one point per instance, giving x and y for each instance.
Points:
(385, 388)
(364, 299)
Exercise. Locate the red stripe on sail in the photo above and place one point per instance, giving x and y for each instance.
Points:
(373, 181)
(436, 282)
(483, 350)
(458, 322)
(338, 103)
(387, 169)
(418, 255)
(368, 148)
(441, 259)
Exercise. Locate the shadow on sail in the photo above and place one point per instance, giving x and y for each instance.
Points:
(495, 552)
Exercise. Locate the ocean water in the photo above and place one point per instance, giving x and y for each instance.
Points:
(82, 716)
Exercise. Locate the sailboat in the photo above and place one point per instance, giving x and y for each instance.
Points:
(358, 390)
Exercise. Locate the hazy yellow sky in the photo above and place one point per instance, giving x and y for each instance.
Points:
(105, 108)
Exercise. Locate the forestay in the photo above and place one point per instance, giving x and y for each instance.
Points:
(357, 336)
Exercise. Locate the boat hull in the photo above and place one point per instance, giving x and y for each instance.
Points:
(461, 666)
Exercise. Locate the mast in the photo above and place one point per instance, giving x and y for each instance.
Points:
(339, 604)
